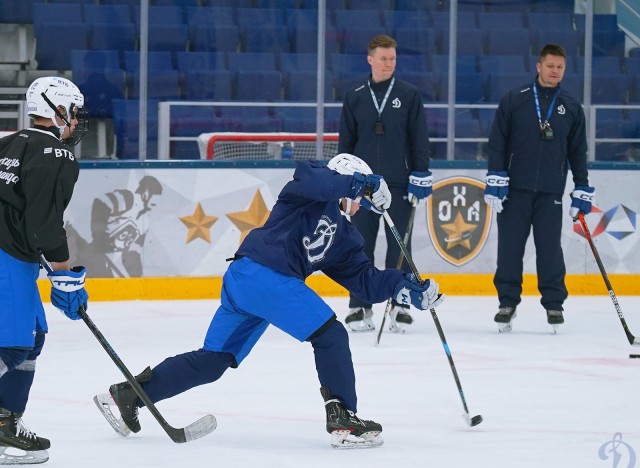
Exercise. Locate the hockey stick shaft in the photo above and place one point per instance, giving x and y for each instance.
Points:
(632, 339)
(407, 236)
(471, 421)
(177, 435)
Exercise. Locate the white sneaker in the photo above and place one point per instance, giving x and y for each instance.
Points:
(359, 320)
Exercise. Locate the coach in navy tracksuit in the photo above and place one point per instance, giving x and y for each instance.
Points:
(537, 135)
(384, 123)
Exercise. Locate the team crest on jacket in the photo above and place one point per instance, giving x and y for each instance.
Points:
(458, 219)
(318, 244)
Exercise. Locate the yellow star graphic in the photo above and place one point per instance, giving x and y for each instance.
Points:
(255, 216)
(458, 233)
(198, 224)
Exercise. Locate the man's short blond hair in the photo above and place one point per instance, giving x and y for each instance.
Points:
(383, 41)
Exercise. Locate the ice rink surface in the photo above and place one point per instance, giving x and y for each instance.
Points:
(553, 401)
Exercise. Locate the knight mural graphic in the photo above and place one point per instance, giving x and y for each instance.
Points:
(458, 219)
(117, 230)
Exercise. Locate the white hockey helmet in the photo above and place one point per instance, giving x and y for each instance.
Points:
(47, 94)
(348, 164)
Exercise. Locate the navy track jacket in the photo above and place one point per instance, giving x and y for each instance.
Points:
(515, 144)
(403, 148)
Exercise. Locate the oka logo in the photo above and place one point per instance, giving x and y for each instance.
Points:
(60, 153)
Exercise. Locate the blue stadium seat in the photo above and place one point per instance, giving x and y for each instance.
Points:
(349, 63)
(469, 88)
(284, 4)
(331, 4)
(297, 61)
(427, 83)
(466, 20)
(212, 85)
(550, 21)
(210, 15)
(95, 59)
(17, 11)
(412, 63)
(180, 3)
(464, 64)
(418, 40)
(502, 64)
(247, 119)
(610, 89)
(500, 6)
(258, 17)
(470, 42)
(298, 119)
(100, 87)
(117, 36)
(53, 48)
(251, 61)
(161, 15)
(614, 128)
(161, 84)
(219, 38)
(505, 20)
(396, 20)
(171, 37)
(305, 39)
(156, 60)
(126, 122)
(419, 5)
(573, 84)
(107, 14)
(265, 39)
(367, 4)
(346, 19)
(508, 42)
(467, 128)
(570, 40)
(302, 85)
(599, 64)
(264, 85)
(47, 13)
(552, 6)
(355, 40)
(200, 61)
(343, 81)
(499, 83)
(190, 121)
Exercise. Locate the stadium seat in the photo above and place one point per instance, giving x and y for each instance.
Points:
(302, 85)
(501, 64)
(346, 19)
(173, 15)
(427, 83)
(464, 64)
(412, 63)
(61, 13)
(467, 128)
(343, 81)
(499, 83)
(501, 6)
(264, 85)
(570, 40)
(469, 88)
(503, 20)
(156, 60)
(117, 36)
(298, 119)
(466, 20)
(161, 84)
(53, 48)
(349, 63)
(171, 37)
(367, 4)
(555, 6)
(265, 39)
(305, 39)
(126, 122)
(396, 20)
(599, 65)
(200, 61)
(213, 85)
(251, 61)
(470, 42)
(219, 38)
(609, 89)
(259, 17)
(17, 11)
(418, 40)
(546, 22)
(296, 62)
(573, 84)
(213, 15)
(100, 87)
(95, 60)
(508, 42)
(355, 40)
(284, 4)
(107, 14)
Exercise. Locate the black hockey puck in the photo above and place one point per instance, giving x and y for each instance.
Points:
(634, 356)
(476, 420)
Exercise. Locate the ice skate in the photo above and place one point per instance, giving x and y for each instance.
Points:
(360, 320)
(347, 430)
(18, 445)
(555, 319)
(125, 398)
(504, 318)
(399, 319)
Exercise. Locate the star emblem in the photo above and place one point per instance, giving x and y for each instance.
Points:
(254, 217)
(458, 233)
(199, 225)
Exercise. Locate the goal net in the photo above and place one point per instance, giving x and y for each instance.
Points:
(265, 146)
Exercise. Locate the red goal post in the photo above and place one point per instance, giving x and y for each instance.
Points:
(229, 146)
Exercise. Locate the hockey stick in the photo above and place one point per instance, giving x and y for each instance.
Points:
(195, 430)
(471, 421)
(632, 339)
(407, 236)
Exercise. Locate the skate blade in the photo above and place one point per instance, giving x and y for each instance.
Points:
(395, 327)
(104, 402)
(26, 458)
(362, 326)
(342, 440)
(504, 327)
(556, 328)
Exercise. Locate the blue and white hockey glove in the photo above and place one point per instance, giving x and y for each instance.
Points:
(581, 200)
(67, 291)
(420, 185)
(422, 296)
(373, 186)
(496, 190)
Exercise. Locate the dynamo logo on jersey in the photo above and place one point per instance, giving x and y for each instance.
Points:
(322, 239)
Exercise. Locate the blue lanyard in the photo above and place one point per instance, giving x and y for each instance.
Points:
(549, 111)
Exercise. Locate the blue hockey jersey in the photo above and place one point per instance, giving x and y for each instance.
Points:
(306, 232)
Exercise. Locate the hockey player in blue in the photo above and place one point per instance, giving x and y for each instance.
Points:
(39, 171)
(307, 231)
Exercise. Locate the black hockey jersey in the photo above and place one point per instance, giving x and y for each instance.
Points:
(37, 176)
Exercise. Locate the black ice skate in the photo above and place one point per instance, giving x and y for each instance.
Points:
(504, 317)
(400, 317)
(15, 435)
(555, 319)
(126, 399)
(359, 320)
(348, 430)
